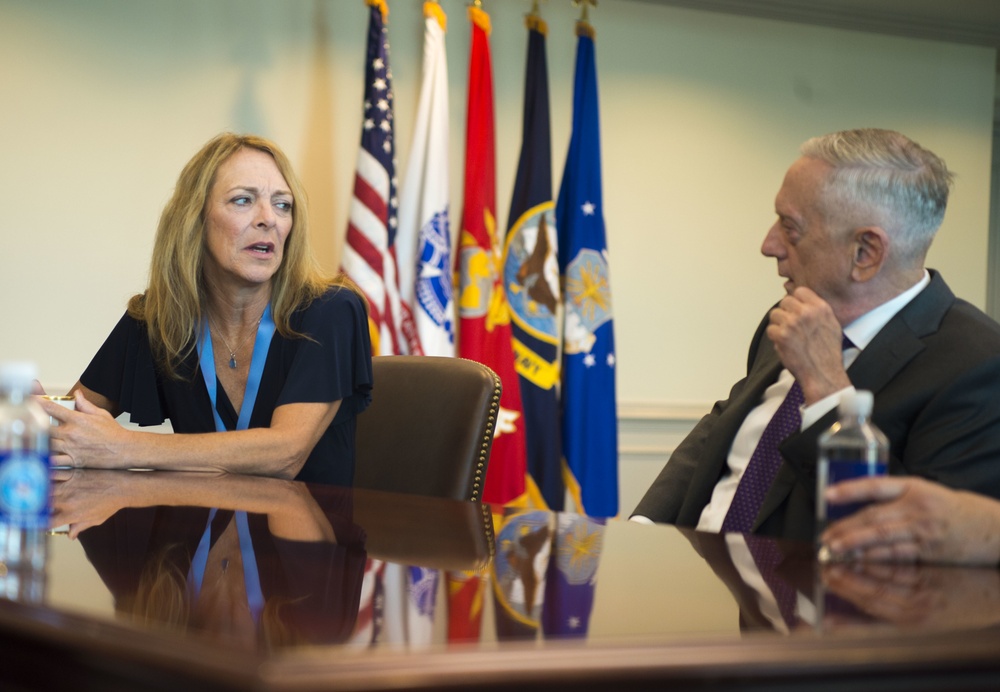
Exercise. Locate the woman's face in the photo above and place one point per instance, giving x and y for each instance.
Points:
(248, 216)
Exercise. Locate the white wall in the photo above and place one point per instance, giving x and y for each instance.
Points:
(102, 102)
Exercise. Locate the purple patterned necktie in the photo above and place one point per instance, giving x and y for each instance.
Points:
(764, 464)
(766, 460)
(767, 556)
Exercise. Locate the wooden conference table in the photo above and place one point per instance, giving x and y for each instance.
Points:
(318, 587)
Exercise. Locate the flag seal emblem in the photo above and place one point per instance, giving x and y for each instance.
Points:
(531, 273)
(523, 547)
(588, 299)
(433, 287)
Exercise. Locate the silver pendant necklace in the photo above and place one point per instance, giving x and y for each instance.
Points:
(232, 352)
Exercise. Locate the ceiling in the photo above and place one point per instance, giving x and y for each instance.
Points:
(975, 22)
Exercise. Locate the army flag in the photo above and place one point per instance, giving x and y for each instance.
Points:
(409, 603)
(531, 280)
(589, 412)
(484, 315)
(423, 243)
(369, 256)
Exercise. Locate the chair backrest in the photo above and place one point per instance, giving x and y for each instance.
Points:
(429, 428)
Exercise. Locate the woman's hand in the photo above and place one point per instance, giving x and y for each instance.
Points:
(83, 499)
(87, 437)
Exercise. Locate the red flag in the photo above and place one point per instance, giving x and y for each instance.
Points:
(465, 606)
(484, 314)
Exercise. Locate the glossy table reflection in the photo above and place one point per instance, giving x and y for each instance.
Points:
(198, 581)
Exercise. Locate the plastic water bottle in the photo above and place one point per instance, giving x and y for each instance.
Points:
(24, 485)
(852, 447)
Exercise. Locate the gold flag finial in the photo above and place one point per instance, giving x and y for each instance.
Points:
(533, 20)
(583, 5)
(479, 16)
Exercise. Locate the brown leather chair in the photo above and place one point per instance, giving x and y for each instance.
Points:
(429, 428)
(425, 531)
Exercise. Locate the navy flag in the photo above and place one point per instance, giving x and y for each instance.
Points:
(589, 425)
(524, 543)
(531, 278)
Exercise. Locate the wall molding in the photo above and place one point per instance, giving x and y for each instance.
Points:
(957, 21)
(653, 430)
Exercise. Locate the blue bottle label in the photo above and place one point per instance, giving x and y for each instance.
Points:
(844, 469)
(24, 489)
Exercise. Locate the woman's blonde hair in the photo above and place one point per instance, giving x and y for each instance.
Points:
(172, 305)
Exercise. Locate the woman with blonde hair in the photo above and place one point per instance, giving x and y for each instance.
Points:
(238, 333)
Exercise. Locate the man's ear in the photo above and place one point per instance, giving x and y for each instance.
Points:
(870, 245)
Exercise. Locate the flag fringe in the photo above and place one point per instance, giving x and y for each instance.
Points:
(573, 494)
(433, 9)
(584, 28)
(536, 23)
(382, 7)
(480, 19)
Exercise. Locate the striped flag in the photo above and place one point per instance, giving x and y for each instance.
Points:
(590, 426)
(484, 315)
(424, 241)
(368, 626)
(531, 279)
(369, 255)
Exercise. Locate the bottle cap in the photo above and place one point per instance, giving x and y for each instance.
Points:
(856, 402)
(17, 375)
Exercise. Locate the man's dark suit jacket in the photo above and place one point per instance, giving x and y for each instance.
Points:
(935, 372)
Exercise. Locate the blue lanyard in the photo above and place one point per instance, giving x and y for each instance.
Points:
(206, 358)
(265, 330)
(251, 575)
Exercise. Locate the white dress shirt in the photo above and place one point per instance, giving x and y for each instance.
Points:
(861, 332)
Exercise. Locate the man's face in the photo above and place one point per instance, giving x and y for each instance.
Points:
(809, 252)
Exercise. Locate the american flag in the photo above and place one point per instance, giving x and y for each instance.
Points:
(369, 256)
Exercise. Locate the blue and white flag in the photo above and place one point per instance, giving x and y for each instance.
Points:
(531, 279)
(590, 424)
(423, 243)
(410, 595)
(572, 577)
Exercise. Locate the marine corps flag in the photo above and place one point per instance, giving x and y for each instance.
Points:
(424, 240)
(369, 250)
(484, 316)
(590, 427)
(531, 279)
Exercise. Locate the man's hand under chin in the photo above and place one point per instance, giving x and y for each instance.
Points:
(808, 339)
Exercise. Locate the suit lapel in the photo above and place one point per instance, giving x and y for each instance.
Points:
(901, 340)
(763, 374)
(896, 344)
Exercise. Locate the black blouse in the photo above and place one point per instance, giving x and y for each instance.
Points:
(333, 364)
